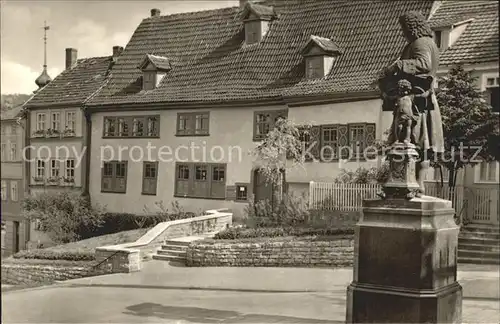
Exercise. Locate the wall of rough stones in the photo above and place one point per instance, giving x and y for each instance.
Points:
(33, 272)
(338, 253)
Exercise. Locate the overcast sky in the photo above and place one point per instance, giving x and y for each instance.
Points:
(92, 27)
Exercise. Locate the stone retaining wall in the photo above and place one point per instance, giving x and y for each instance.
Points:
(338, 253)
(33, 272)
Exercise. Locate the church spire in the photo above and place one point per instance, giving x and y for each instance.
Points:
(44, 78)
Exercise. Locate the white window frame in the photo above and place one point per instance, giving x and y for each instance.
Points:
(13, 191)
(4, 190)
(70, 123)
(477, 173)
(315, 64)
(54, 166)
(55, 123)
(40, 122)
(40, 168)
(68, 169)
(484, 83)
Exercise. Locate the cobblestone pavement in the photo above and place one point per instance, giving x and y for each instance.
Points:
(166, 294)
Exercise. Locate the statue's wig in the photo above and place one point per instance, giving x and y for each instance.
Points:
(415, 26)
(403, 87)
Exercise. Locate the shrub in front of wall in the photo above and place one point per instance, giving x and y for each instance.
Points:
(242, 233)
(64, 216)
(43, 254)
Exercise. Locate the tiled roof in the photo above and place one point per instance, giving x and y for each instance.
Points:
(13, 113)
(326, 44)
(262, 11)
(75, 85)
(160, 62)
(211, 63)
(479, 41)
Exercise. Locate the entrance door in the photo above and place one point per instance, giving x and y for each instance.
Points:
(262, 189)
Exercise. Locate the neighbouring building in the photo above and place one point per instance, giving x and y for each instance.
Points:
(467, 33)
(15, 230)
(56, 131)
(218, 80)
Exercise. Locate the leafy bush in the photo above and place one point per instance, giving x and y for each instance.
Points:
(45, 254)
(241, 232)
(289, 211)
(364, 176)
(64, 216)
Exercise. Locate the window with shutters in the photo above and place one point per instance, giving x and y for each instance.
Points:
(150, 178)
(264, 122)
(356, 139)
(132, 126)
(200, 180)
(193, 124)
(13, 151)
(329, 142)
(114, 177)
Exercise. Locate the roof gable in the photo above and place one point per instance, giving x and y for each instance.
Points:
(328, 46)
(160, 63)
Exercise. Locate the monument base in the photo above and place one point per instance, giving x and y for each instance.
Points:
(405, 264)
(372, 304)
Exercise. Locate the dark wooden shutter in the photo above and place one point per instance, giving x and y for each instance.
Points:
(315, 141)
(343, 136)
(231, 193)
(370, 136)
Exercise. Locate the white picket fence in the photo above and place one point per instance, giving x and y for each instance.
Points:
(478, 204)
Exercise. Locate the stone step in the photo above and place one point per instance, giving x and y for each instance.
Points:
(478, 247)
(169, 258)
(478, 261)
(174, 247)
(478, 254)
(178, 243)
(172, 253)
(482, 228)
(479, 241)
(487, 235)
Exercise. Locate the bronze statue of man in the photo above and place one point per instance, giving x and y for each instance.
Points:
(418, 64)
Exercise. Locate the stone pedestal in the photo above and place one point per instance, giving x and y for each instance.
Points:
(405, 253)
(405, 267)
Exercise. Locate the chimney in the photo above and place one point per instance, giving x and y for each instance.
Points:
(117, 50)
(71, 57)
(155, 12)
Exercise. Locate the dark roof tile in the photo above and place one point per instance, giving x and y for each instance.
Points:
(479, 41)
(75, 85)
(211, 63)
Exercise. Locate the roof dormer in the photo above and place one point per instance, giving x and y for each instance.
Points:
(154, 69)
(256, 18)
(447, 32)
(319, 54)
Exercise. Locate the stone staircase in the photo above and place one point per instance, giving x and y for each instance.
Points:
(174, 250)
(479, 244)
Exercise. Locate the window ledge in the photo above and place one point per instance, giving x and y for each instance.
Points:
(489, 182)
(129, 137)
(115, 192)
(191, 135)
(148, 194)
(194, 197)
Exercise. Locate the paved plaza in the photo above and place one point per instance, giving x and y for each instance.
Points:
(170, 294)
